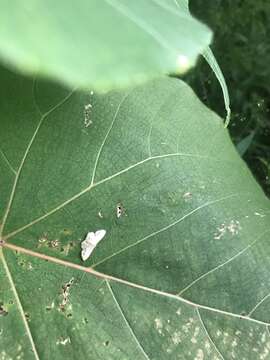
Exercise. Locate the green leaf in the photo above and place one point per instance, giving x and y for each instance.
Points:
(181, 274)
(99, 44)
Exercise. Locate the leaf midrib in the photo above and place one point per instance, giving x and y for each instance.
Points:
(128, 283)
(134, 337)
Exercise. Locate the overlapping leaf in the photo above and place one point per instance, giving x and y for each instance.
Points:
(99, 43)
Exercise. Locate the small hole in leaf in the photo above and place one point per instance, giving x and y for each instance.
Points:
(107, 343)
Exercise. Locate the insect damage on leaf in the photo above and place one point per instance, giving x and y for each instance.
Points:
(54, 243)
(50, 307)
(43, 238)
(3, 311)
(27, 316)
(187, 195)
(87, 114)
(233, 227)
(65, 294)
(120, 210)
(63, 341)
(90, 242)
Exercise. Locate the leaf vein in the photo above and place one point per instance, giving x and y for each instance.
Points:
(34, 97)
(164, 228)
(126, 321)
(8, 162)
(223, 264)
(89, 187)
(106, 137)
(259, 303)
(207, 333)
(13, 190)
(19, 304)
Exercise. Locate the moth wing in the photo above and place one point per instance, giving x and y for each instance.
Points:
(88, 240)
(87, 251)
(99, 235)
(84, 245)
(89, 237)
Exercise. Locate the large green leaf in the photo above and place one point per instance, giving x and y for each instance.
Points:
(182, 274)
(99, 43)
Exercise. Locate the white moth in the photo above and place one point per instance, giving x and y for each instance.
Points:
(90, 242)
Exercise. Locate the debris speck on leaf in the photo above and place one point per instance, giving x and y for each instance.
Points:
(90, 242)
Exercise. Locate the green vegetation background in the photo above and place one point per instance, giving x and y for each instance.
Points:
(242, 48)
